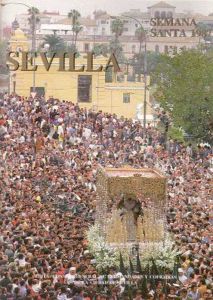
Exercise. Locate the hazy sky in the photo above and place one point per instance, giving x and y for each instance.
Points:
(86, 7)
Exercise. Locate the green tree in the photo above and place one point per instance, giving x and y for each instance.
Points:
(141, 36)
(116, 48)
(56, 43)
(176, 134)
(137, 62)
(73, 48)
(77, 29)
(33, 11)
(100, 49)
(74, 15)
(117, 28)
(185, 89)
(3, 52)
(203, 30)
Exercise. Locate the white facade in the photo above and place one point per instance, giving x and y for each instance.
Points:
(161, 10)
(59, 29)
(98, 30)
(44, 18)
(103, 25)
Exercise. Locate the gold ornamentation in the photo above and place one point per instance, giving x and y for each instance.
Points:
(149, 186)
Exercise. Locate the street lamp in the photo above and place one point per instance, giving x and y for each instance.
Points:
(145, 68)
(33, 48)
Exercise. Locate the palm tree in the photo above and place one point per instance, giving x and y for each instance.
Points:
(33, 11)
(117, 28)
(141, 35)
(74, 15)
(56, 43)
(76, 29)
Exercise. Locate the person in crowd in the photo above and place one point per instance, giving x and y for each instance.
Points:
(49, 155)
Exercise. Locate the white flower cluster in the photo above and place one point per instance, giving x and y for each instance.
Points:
(164, 253)
(104, 256)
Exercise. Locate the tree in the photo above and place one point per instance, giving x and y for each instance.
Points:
(117, 28)
(73, 48)
(77, 29)
(116, 48)
(203, 30)
(33, 11)
(3, 52)
(141, 36)
(137, 62)
(56, 43)
(185, 89)
(100, 49)
(74, 15)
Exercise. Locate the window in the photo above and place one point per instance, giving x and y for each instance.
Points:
(103, 31)
(126, 98)
(108, 75)
(40, 91)
(163, 14)
(166, 49)
(156, 48)
(133, 48)
(103, 22)
(84, 88)
(86, 47)
(169, 14)
(125, 29)
(157, 14)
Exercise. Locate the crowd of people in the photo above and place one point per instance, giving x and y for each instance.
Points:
(50, 151)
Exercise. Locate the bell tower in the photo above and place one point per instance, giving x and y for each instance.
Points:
(19, 41)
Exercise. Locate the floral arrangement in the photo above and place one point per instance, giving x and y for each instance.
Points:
(105, 257)
(163, 253)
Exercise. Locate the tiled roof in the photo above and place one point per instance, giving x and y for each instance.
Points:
(162, 4)
(82, 21)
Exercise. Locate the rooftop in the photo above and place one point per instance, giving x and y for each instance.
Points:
(83, 21)
(162, 4)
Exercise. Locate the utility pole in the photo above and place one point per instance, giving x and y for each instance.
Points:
(145, 86)
(145, 71)
(33, 43)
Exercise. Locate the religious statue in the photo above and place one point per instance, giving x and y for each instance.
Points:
(130, 210)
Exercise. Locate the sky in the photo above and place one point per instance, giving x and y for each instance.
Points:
(86, 7)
